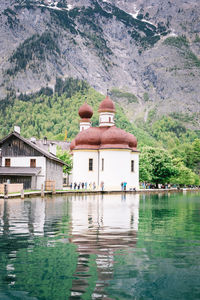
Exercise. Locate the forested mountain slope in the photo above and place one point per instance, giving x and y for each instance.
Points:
(169, 151)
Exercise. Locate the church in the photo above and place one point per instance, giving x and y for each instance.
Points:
(104, 156)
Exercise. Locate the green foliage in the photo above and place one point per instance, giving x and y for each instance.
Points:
(62, 18)
(156, 165)
(178, 42)
(182, 117)
(192, 59)
(197, 39)
(146, 97)
(167, 124)
(70, 86)
(182, 44)
(36, 47)
(119, 94)
(185, 175)
(48, 115)
(152, 115)
(67, 158)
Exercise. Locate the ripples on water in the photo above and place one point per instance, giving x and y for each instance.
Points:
(101, 247)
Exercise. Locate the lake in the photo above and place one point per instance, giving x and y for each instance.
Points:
(137, 246)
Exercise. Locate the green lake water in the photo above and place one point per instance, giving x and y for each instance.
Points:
(101, 247)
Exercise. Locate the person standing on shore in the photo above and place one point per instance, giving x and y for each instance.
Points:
(102, 185)
(125, 183)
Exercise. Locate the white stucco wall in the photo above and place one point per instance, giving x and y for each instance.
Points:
(117, 168)
(84, 125)
(135, 174)
(81, 171)
(24, 161)
(106, 119)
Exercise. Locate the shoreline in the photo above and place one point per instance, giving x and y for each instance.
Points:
(97, 192)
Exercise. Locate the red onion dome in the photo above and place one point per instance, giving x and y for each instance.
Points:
(72, 145)
(89, 138)
(115, 138)
(85, 111)
(132, 140)
(107, 105)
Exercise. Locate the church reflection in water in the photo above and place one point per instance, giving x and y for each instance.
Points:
(101, 227)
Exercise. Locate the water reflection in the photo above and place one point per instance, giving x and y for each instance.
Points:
(38, 230)
(100, 227)
(100, 247)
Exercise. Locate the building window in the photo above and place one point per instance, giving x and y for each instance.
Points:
(90, 164)
(132, 165)
(33, 163)
(7, 162)
(102, 164)
(109, 119)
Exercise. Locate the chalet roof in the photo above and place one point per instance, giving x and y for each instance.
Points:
(65, 146)
(31, 144)
(19, 171)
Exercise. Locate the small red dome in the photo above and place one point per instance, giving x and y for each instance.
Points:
(85, 111)
(132, 140)
(107, 105)
(115, 138)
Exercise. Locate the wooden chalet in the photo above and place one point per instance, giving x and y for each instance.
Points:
(22, 161)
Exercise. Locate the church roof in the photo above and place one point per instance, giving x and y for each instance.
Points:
(95, 138)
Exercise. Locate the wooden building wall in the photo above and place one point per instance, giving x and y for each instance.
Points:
(15, 147)
(54, 171)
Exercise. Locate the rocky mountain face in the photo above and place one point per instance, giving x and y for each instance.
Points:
(146, 52)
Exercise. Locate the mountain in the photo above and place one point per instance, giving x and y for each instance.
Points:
(146, 52)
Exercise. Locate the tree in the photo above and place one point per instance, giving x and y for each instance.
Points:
(67, 158)
(157, 165)
(185, 175)
(145, 167)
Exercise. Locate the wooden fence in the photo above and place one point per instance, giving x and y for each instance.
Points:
(50, 185)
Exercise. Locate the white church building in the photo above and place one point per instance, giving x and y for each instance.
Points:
(104, 155)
